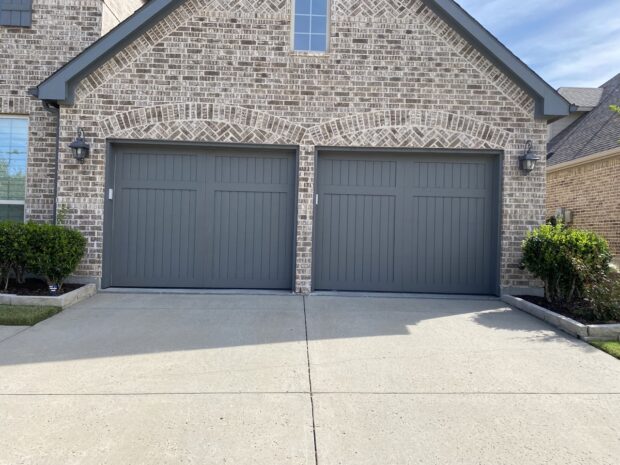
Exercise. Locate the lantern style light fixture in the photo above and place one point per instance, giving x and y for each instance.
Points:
(79, 146)
(528, 160)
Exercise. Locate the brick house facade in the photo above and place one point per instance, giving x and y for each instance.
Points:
(60, 30)
(590, 190)
(398, 76)
(584, 162)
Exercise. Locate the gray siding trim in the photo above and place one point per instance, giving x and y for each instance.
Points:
(59, 86)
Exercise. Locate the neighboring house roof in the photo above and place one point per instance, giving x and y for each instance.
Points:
(595, 132)
(60, 86)
(582, 97)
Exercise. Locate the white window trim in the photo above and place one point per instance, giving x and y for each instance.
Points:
(327, 32)
(20, 202)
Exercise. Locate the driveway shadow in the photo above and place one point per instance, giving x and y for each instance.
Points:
(112, 325)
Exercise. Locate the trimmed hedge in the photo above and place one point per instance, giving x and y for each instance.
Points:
(574, 266)
(48, 251)
(13, 247)
(566, 260)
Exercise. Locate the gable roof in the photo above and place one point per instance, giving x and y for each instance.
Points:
(60, 86)
(596, 131)
(584, 98)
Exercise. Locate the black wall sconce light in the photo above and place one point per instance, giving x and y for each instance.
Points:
(527, 161)
(80, 148)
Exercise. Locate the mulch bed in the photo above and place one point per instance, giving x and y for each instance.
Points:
(564, 310)
(36, 287)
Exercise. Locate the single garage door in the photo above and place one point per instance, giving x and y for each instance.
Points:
(190, 217)
(407, 223)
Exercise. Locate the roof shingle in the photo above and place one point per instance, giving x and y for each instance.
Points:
(582, 96)
(596, 131)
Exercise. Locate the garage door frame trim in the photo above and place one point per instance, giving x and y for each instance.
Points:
(108, 227)
(500, 154)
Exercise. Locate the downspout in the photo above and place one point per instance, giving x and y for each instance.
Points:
(54, 109)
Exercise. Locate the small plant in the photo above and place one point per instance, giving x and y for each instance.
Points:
(62, 214)
(568, 261)
(54, 252)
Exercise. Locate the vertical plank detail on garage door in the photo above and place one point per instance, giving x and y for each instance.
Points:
(409, 223)
(356, 224)
(203, 218)
(155, 219)
(253, 215)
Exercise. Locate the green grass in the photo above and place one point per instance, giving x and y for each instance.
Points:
(22, 315)
(611, 347)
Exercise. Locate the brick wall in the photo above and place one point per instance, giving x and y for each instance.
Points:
(592, 192)
(223, 71)
(115, 11)
(60, 30)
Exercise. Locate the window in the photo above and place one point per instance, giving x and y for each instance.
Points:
(16, 13)
(13, 159)
(310, 26)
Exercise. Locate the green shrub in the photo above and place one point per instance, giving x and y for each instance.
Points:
(602, 297)
(13, 247)
(54, 252)
(568, 261)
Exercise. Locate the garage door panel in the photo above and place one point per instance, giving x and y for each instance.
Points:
(358, 172)
(436, 234)
(359, 250)
(247, 169)
(448, 174)
(156, 234)
(448, 245)
(251, 241)
(156, 166)
(202, 218)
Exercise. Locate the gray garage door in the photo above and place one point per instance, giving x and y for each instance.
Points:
(199, 218)
(406, 223)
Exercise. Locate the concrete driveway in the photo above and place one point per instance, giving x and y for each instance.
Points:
(224, 379)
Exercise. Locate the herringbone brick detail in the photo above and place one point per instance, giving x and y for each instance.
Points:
(168, 120)
(202, 131)
(345, 9)
(411, 137)
(257, 7)
(417, 128)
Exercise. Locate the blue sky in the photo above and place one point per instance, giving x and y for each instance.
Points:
(568, 42)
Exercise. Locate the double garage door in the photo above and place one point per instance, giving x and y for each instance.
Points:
(185, 217)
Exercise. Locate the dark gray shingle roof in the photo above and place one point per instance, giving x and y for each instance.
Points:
(582, 96)
(596, 131)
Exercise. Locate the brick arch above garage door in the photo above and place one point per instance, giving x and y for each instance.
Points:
(202, 121)
(227, 123)
(412, 128)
